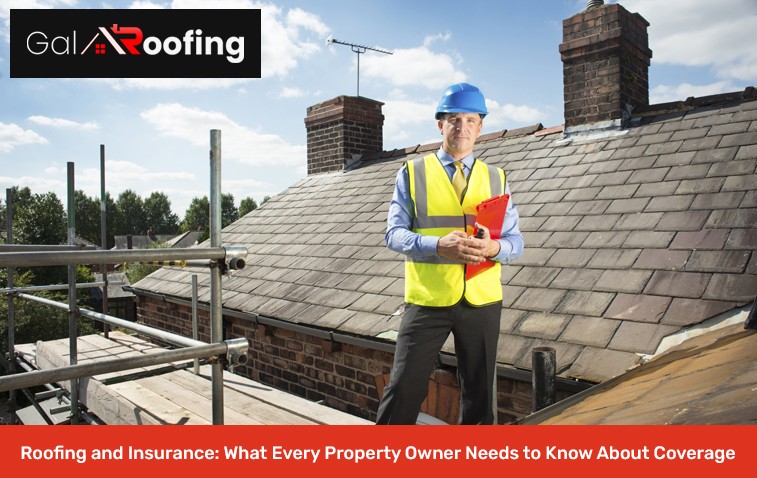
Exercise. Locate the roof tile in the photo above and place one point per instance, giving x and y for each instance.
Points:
(614, 363)
(710, 239)
(593, 331)
(731, 287)
(662, 259)
(678, 284)
(584, 303)
(632, 282)
(606, 239)
(718, 261)
(538, 299)
(614, 258)
(685, 312)
(638, 308)
(640, 337)
(543, 325)
(576, 279)
(682, 221)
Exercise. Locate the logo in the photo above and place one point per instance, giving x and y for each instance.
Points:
(135, 43)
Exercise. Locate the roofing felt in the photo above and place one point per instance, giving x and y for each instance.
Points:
(706, 380)
(630, 236)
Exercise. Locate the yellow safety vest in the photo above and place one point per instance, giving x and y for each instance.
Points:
(436, 281)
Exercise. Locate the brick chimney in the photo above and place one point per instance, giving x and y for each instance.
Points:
(343, 130)
(606, 58)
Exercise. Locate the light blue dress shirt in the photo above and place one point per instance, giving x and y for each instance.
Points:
(400, 237)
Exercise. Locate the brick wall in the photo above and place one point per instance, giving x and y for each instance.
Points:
(342, 376)
(342, 129)
(606, 57)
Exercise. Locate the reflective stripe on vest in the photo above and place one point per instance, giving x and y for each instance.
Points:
(439, 282)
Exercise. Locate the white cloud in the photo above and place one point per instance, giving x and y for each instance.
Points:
(665, 93)
(510, 116)
(120, 84)
(414, 66)
(12, 135)
(292, 92)
(62, 123)
(286, 37)
(240, 143)
(36, 184)
(402, 117)
(718, 35)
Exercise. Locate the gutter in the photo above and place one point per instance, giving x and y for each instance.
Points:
(562, 384)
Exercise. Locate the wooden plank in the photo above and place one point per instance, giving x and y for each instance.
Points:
(241, 403)
(276, 398)
(195, 402)
(180, 396)
(150, 407)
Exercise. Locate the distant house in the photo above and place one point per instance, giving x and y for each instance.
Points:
(120, 302)
(639, 222)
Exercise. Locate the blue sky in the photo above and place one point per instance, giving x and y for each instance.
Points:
(156, 132)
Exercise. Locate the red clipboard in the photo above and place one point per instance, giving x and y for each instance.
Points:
(490, 213)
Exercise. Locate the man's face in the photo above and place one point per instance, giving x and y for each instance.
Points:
(460, 132)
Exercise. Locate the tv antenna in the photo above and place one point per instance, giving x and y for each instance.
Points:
(359, 49)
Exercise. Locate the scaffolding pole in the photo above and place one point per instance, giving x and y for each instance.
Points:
(163, 335)
(73, 315)
(216, 311)
(11, 308)
(219, 260)
(103, 236)
(40, 288)
(63, 258)
(89, 369)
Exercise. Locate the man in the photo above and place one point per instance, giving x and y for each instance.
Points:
(431, 221)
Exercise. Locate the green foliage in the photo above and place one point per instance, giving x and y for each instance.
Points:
(197, 216)
(137, 272)
(247, 205)
(87, 217)
(158, 214)
(35, 321)
(130, 214)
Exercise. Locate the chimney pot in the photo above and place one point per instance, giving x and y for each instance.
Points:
(594, 3)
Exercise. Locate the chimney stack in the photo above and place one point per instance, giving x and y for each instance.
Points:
(342, 130)
(605, 54)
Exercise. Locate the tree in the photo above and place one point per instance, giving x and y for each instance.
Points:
(42, 221)
(87, 217)
(35, 321)
(247, 205)
(229, 212)
(158, 214)
(265, 200)
(197, 216)
(130, 214)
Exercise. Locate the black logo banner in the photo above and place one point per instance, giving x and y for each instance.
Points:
(81, 43)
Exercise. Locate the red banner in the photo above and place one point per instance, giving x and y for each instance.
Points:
(378, 450)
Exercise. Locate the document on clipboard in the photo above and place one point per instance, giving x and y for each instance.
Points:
(490, 213)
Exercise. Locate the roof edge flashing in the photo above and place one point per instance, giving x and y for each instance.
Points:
(731, 317)
(591, 132)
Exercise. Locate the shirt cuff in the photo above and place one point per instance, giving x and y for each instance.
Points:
(428, 245)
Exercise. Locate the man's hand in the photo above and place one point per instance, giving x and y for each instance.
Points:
(457, 246)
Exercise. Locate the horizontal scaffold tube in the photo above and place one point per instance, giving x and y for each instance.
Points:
(127, 324)
(60, 374)
(62, 258)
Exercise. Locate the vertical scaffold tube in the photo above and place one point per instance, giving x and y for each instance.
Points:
(216, 314)
(73, 316)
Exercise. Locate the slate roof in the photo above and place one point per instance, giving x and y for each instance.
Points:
(630, 236)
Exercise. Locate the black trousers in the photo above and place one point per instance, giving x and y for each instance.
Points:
(422, 334)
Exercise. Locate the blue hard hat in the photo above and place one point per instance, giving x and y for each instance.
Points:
(462, 98)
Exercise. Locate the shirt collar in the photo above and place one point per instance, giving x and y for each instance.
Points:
(447, 160)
